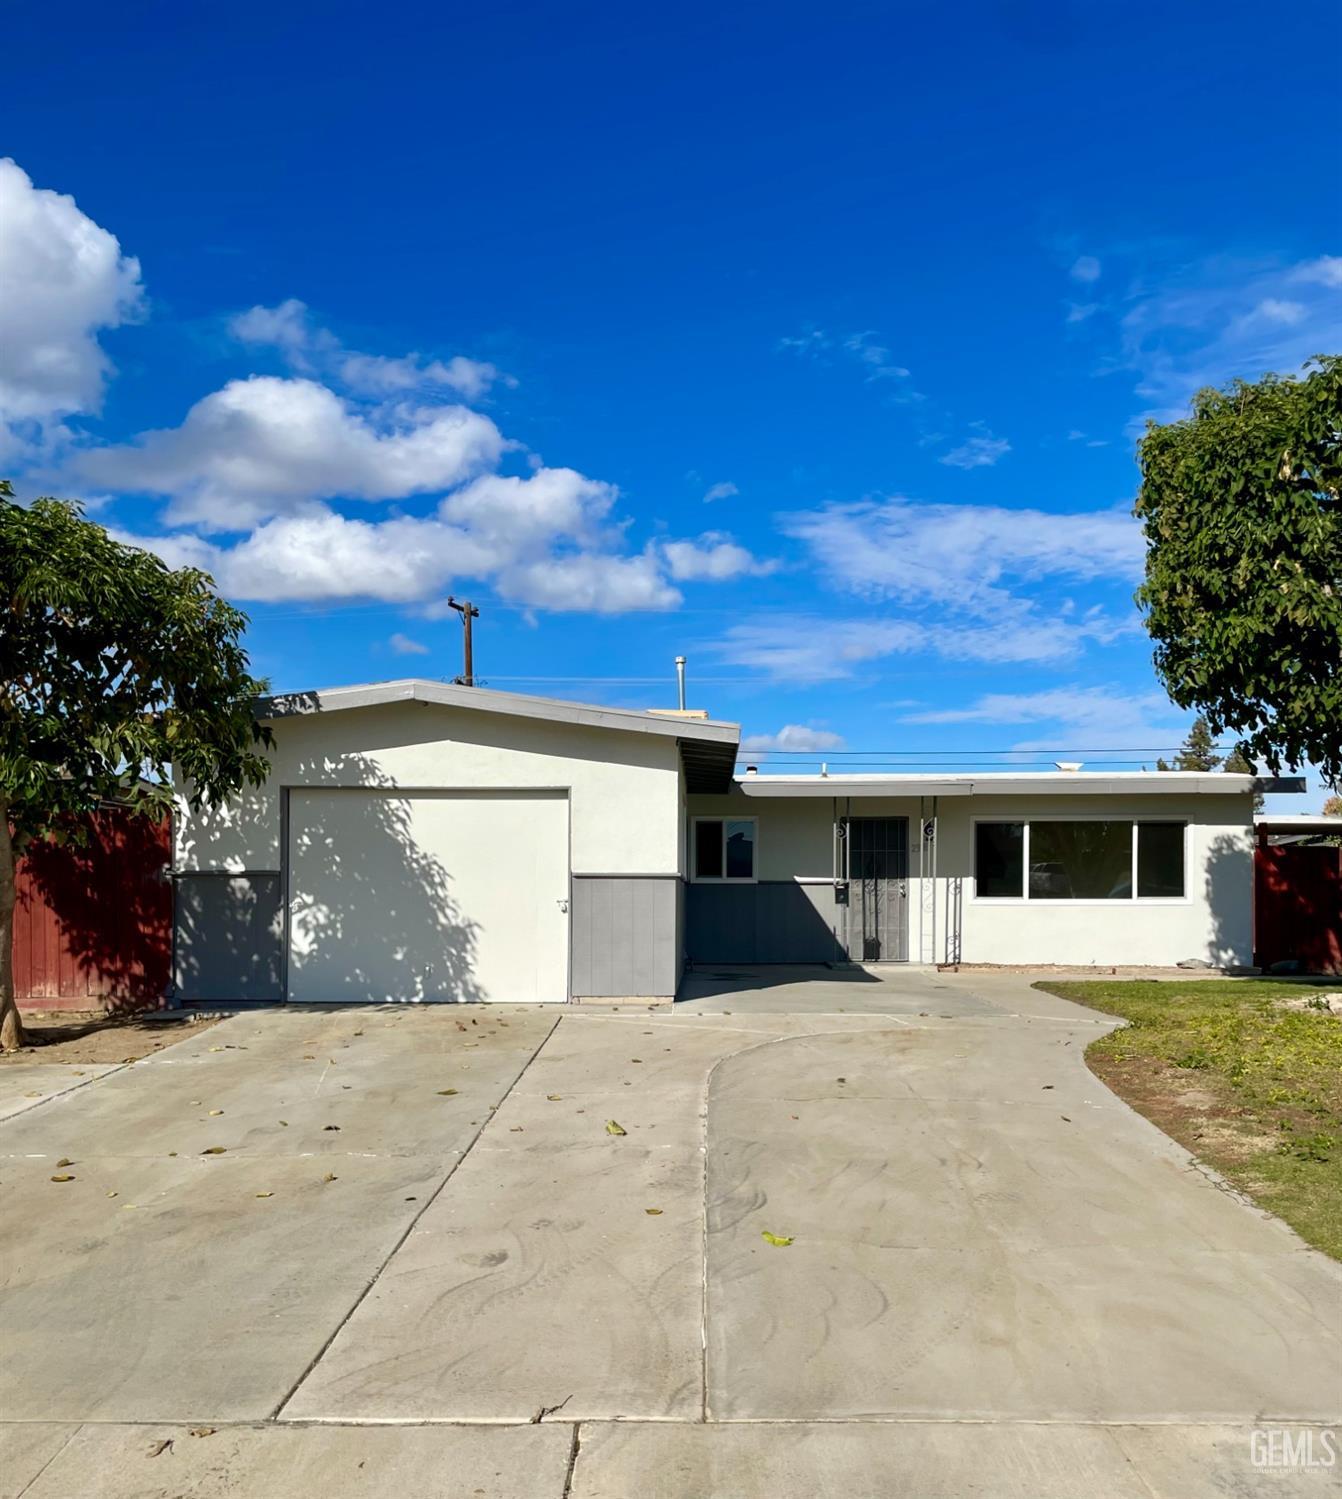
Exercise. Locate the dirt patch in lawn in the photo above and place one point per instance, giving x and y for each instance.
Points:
(91, 1036)
(1244, 1073)
(1202, 1119)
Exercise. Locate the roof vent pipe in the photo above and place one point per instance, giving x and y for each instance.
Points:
(680, 682)
(824, 769)
(752, 770)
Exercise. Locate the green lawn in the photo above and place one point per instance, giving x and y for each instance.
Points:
(1252, 1089)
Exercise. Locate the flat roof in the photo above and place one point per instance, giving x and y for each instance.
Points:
(1024, 783)
(1299, 822)
(708, 746)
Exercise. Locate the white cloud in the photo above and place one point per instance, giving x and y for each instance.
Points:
(266, 446)
(322, 556)
(63, 279)
(1081, 717)
(979, 452)
(876, 357)
(518, 534)
(312, 350)
(805, 649)
(813, 342)
(792, 736)
(1219, 319)
(723, 491)
(963, 556)
(591, 582)
(404, 646)
(1085, 268)
(1276, 310)
(714, 557)
(1326, 271)
(1080, 312)
(820, 649)
(518, 515)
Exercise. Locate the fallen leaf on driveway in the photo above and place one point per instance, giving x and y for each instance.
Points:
(64, 1161)
(1064, 1118)
(614, 1129)
(159, 1448)
(653, 1212)
(214, 1150)
(285, 1123)
(215, 1113)
(780, 1241)
(554, 1097)
(63, 1178)
(447, 1092)
(331, 1126)
(202, 1431)
(330, 1177)
(265, 1194)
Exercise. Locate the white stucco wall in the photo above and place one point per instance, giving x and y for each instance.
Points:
(624, 787)
(1214, 920)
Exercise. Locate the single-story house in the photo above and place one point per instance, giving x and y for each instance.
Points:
(423, 841)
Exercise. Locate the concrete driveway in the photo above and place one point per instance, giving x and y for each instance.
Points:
(400, 1252)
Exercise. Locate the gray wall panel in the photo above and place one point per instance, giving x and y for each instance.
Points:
(624, 935)
(229, 937)
(769, 922)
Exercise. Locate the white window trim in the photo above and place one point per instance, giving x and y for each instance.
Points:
(724, 878)
(1107, 903)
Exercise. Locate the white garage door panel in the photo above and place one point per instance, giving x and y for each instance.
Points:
(427, 895)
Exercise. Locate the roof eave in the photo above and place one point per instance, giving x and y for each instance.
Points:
(484, 700)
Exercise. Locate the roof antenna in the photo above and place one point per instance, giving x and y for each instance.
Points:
(680, 682)
(468, 612)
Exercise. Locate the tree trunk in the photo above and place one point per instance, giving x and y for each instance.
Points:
(11, 1026)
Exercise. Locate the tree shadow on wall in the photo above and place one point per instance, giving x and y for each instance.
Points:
(1229, 890)
(372, 915)
(93, 918)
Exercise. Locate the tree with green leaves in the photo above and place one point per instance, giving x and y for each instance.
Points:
(1200, 752)
(114, 669)
(1242, 507)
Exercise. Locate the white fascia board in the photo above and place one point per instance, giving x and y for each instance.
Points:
(484, 700)
(997, 783)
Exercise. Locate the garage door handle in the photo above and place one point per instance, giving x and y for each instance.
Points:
(563, 905)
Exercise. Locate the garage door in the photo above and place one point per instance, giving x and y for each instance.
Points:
(433, 895)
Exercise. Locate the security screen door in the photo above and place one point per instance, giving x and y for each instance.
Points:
(878, 876)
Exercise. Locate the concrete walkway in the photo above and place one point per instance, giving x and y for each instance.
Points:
(399, 1252)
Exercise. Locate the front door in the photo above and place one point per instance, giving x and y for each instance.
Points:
(878, 882)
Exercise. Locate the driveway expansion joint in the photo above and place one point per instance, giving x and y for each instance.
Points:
(277, 1413)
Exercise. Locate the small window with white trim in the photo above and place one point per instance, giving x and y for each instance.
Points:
(724, 848)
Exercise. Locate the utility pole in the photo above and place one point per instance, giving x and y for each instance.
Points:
(468, 612)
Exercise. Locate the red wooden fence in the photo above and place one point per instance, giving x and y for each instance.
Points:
(93, 923)
(1298, 905)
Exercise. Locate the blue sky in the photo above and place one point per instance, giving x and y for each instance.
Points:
(811, 343)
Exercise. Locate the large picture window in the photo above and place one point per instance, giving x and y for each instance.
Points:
(1079, 859)
(724, 848)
